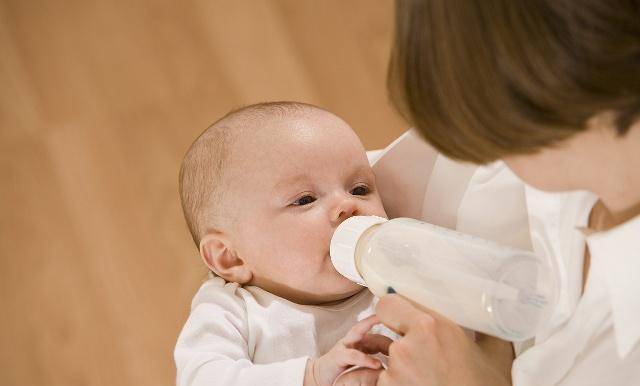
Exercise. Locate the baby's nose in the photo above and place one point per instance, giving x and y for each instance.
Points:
(348, 207)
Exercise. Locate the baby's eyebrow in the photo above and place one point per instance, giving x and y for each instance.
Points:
(287, 182)
(364, 170)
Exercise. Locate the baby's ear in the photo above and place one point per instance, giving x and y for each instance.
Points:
(217, 253)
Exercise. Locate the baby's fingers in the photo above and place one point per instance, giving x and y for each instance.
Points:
(353, 357)
(358, 331)
(373, 344)
(359, 377)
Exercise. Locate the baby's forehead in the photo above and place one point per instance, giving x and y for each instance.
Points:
(281, 133)
(265, 141)
(297, 147)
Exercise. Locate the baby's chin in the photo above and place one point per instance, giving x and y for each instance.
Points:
(339, 297)
(330, 287)
(321, 289)
(340, 285)
(343, 289)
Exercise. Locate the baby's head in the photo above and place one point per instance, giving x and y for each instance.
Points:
(264, 188)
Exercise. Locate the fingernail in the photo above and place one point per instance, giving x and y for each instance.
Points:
(390, 290)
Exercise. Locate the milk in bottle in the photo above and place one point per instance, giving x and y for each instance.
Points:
(498, 290)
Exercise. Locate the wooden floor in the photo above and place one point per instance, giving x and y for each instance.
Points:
(98, 102)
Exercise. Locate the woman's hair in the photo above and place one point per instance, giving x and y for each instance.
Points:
(487, 78)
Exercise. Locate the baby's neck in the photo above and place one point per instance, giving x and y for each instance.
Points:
(338, 301)
(302, 297)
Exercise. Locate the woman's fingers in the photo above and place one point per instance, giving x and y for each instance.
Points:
(358, 331)
(501, 351)
(384, 379)
(373, 344)
(353, 357)
(398, 313)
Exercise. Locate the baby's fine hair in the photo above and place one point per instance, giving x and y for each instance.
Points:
(201, 178)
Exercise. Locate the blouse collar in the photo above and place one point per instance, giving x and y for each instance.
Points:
(618, 250)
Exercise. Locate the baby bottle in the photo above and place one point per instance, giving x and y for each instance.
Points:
(478, 284)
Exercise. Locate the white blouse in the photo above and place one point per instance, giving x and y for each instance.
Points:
(593, 337)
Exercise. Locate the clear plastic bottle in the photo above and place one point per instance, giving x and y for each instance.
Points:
(490, 288)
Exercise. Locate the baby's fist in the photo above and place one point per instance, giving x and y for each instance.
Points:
(352, 350)
(359, 377)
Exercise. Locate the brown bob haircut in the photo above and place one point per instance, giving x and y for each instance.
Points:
(484, 79)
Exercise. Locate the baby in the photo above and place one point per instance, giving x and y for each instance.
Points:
(263, 189)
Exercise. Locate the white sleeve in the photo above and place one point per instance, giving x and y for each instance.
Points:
(212, 348)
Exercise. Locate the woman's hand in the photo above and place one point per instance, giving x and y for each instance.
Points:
(435, 351)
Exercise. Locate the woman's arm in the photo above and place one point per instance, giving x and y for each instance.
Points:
(435, 351)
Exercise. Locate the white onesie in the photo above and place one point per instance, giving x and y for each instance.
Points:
(247, 336)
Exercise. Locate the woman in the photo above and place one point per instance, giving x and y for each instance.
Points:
(552, 88)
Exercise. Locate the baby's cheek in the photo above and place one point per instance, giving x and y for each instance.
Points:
(376, 208)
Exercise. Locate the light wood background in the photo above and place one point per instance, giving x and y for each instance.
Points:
(98, 102)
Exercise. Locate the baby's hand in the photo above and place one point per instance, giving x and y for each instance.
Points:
(359, 377)
(352, 350)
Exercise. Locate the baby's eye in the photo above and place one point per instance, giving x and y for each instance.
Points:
(304, 200)
(361, 190)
